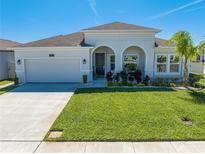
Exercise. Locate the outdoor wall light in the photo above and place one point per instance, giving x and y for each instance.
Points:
(19, 61)
(84, 61)
(51, 55)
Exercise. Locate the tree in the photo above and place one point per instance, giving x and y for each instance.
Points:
(185, 49)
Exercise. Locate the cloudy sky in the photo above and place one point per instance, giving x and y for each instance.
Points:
(29, 20)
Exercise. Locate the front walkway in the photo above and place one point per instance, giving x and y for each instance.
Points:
(104, 147)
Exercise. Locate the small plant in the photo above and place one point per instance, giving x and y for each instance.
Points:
(123, 76)
(138, 76)
(194, 77)
(85, 78)
(172, 84)
(109, 76)
(130, 78)
(124, 83)
(141, 84)
(16, 80)
(110, 83)
(147, 80)
(129, 84)
(116, 77)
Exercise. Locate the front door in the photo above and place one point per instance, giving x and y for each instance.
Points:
(100, 64)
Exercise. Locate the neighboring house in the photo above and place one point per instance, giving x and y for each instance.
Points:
(7, 62)
(95, 51)
(198, 66)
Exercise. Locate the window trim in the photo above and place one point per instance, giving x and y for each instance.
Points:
(174, 63)
(167, 64)
(156, 63)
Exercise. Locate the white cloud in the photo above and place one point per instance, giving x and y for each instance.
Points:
(92, 4)
(160, 15)
(195, 9)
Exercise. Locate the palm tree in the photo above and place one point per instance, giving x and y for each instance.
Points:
(185, 49)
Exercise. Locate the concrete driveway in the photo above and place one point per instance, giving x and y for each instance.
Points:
(27, 112)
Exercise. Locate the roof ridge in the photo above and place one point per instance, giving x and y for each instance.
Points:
(119, 26)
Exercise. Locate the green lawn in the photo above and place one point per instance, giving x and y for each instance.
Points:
(4, 90)
(132, 115)
(4, 82)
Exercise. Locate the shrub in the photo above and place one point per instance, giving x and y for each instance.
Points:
(16, 81)
(147, 80)
(85, 78)
(138, 76)
(130, 78)
(110, 83)
(109, 76)
(200, 84)
(130, 67)
(194, 77)
(172, 84)
(123, 75)
(117, 77)
(124, 83)
(140, 84)
(129, 84)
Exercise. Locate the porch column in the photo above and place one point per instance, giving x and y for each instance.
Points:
(149, 63)
(118, 61)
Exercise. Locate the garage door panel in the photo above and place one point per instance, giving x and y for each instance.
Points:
(52, 70)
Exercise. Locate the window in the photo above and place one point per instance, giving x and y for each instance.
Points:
(130, 62)
(174, 64)
(167, 64)
(112, 63)
(161, 63)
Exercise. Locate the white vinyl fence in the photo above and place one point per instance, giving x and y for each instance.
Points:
(197, 67)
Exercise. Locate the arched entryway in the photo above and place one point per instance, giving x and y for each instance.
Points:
(134, 59)
(103, 61)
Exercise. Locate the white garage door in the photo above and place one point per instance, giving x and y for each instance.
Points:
(52, 70)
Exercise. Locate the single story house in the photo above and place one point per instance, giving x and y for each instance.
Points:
(7, 62)
(96, 51)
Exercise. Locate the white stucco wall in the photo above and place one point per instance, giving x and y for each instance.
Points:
(59, 52)
(6, 57)
(119, 41)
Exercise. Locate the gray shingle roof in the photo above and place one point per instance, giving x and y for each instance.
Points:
(74, 39)
(162, 43)
(4, 44)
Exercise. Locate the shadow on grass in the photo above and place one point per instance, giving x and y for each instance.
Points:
(102, 90)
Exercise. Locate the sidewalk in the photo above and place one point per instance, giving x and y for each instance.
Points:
(104, 147)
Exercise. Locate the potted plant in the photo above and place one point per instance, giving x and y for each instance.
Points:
(16, 80)
(85, 78)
